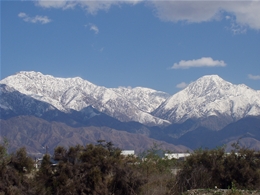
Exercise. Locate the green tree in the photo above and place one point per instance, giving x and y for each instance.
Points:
(21, 161)
(209, 168)
(13, 171)
(93, 169)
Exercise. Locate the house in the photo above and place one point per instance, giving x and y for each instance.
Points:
(127, 152)
(178, 156)
(38, 162)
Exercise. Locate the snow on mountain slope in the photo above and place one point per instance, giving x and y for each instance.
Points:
(75, 93)
(144, 98)
(13, 103)
(210, 96)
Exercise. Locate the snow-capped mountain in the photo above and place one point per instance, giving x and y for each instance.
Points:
(210, 96)
(125, 104)
(76, 105)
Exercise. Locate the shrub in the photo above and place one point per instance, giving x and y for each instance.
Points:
(93, 169)
(210, 168)
(13, 170)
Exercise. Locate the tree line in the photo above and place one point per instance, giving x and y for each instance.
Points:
(101, 169)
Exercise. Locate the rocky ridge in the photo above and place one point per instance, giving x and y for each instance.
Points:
(125, 104)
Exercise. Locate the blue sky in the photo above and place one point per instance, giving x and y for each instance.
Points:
(163, 45)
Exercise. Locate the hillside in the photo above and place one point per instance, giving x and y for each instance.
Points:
(37, 134)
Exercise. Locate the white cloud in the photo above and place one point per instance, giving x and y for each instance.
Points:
(246, 13)
(22, 15)
(253, 77)
(189, 11)
(94, 28)
(181, 85)
(228, 17)
(36, 19)
(202, 62)
(91, 7)
(49, 4)
(235, 27)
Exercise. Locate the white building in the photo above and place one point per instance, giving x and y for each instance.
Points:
(127, 152)
(177, 155)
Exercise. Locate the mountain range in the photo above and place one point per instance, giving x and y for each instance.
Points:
(38, 110)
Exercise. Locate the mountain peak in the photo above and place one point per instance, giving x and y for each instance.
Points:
(207, 85)
(39, 75)
(29, 74)
(210, 96)
(210, 78)
(213, 76)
